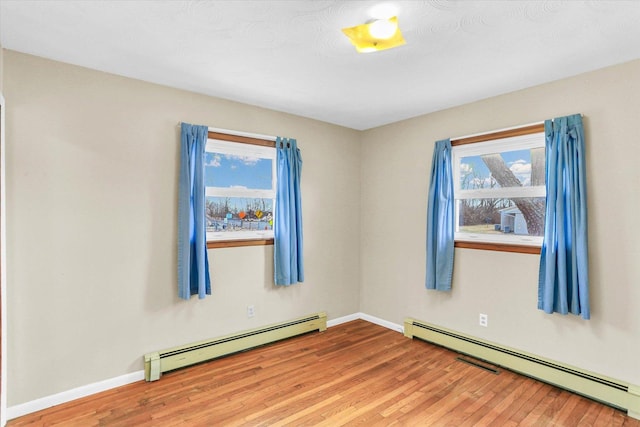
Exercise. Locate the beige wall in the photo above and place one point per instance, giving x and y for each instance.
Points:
(396, 162)
(92, 188)
(92, 171)
(1, 67)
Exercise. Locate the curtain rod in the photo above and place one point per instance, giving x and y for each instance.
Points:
(501, 130)
(239, 133)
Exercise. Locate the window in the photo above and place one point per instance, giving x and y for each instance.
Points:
(499, 188)
(240, 181)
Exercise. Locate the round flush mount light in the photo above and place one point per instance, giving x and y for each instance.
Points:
(372, 36)
(383, 28)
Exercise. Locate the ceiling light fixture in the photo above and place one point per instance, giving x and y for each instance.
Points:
(383, 28)
(378, 34)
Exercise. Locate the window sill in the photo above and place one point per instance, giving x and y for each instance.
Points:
(501, 247)
(238, 243)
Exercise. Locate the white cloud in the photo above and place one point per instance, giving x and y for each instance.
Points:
(249, 161)
(246, 160)
(215, 161)
(465, 168)
(480, 182)
(522, 170)
(520, 167)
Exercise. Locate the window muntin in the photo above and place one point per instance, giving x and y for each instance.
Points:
(500, 191)
(240, 182)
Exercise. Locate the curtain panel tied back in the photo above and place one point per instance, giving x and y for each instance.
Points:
(287, 230)
(563, 284)
(440, 219)
(193, 264)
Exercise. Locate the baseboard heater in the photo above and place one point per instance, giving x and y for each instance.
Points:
(179, 357)
(594, 386)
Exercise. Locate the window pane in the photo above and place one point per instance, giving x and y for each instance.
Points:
(517, 168)
(521, 216)
(239, 214)
(228, 170)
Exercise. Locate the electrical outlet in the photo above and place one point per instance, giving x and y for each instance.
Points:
(484, 320)
(251, 311)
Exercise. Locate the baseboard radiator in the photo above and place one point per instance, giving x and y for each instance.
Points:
(594, 386)
(179, 357)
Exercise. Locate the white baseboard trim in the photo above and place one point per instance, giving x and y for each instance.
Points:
(382, 322)
(368, 318)
(76, 393)
(73, 394)
(343, 319)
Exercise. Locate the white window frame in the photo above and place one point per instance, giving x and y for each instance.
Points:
(242, 149)
(522, 142)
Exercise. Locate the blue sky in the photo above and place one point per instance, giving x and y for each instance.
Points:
(518, 161)
(224, 170)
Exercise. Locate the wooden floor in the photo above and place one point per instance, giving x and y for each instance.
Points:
(356, 373)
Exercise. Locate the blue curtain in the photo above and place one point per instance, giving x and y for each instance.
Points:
(440, 219)
(193, 265)
(287, 230)
(563, 284)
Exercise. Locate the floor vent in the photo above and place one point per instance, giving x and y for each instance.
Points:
(478, 365)
(594, 386)
(179, 357)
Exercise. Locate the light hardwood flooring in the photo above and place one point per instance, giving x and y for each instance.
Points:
(356, 373)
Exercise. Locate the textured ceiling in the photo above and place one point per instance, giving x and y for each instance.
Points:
(291, 56)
